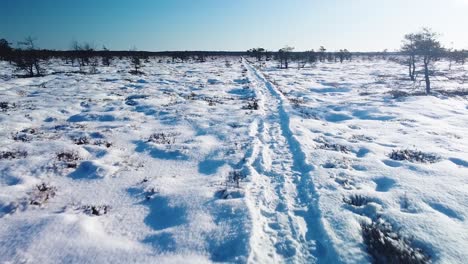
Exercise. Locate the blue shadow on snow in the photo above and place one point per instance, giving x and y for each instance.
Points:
(142, 146)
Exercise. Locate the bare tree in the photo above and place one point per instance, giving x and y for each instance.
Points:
(301, 59)
(268, 55)
(348, 55)
(135, 60)
(257, 53)
(5, 50)
(83, 52)
(27, 58)
(284, 55)
(429, 48)
(330, 57)
(322, 55)
(106, 56)
(341, 55)
(409, 48)
(311, 56)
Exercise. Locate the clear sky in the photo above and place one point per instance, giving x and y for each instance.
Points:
(157, 25)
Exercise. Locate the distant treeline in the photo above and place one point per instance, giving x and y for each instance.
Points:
(421, 47)
(46, 53)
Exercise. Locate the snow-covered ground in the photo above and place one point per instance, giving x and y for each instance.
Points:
(230, 162)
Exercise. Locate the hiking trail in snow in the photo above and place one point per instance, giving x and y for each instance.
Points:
(281, 196)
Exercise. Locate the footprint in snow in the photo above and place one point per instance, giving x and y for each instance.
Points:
(459, 162)
(384, 184)
(392, 163)
(444, 209)
(362, 152)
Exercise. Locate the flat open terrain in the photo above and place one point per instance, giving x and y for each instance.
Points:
(232, 161)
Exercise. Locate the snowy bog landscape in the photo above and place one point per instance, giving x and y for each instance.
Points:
(243, 132)
(233, 160)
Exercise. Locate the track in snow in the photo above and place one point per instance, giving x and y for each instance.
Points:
(281, 197)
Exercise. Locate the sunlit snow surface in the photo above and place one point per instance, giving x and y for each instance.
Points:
(320, 135)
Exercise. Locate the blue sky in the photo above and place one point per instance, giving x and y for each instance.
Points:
(358, 25)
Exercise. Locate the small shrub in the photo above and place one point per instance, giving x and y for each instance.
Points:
(191, 96)
(150, 193)
(107, 144)
(386, 246)
(69, 158)
(5, 106)
(334, 147)
(306, 112)
(24, 135)
(334, 163)
(235, 177)
(162, 138)
(42, 193)
(81, 140)
(13, 154)
(96, 210)
(251, 105)
(355, 200)
(347, 184)
(414, 156)
(296, 101)
(357, 138)
(212, 101)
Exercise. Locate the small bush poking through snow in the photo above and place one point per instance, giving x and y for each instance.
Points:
(334, 147)
(212, 101)
(414, 156)
(386, 246)
(296, 101)
(235, 177)
(251, 105)
(5, 106)
(13, 154)
(343, 163)
(355, 200)
(42, 194)
(357, 138)
(107, 144)
(97, 210)
(69, 158)
(150, 193)
(24, 135)
(162, 138)
(232, 189)
(81, 140)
